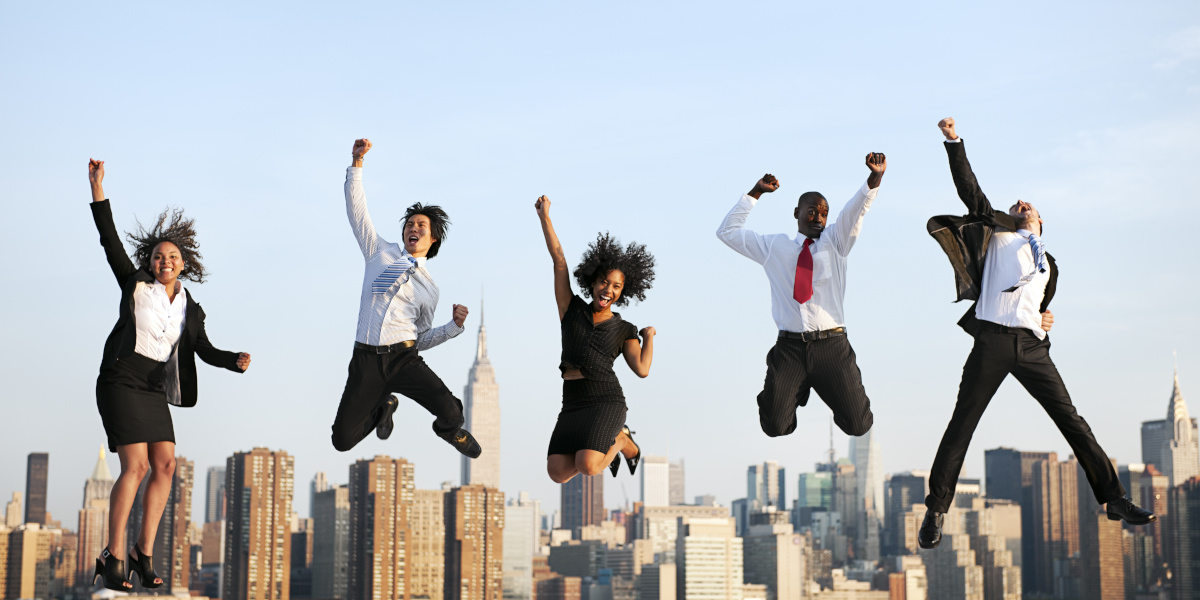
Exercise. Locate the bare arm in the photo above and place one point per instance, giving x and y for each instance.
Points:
(96, 179)
(638, 357)
(562, 282)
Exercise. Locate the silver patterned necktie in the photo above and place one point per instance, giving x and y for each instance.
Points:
(1039, 258)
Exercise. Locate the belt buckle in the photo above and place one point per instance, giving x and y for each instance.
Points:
(383, 349)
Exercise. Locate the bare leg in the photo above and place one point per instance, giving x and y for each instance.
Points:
(561, 467)
(590, 462)
(134, 466)
(158, 490)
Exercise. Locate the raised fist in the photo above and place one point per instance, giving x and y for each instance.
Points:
(877, 162)
(460, 314)
(947, 127)
(542, 206)
(95, 171)
(361, 147)
(767, 184)
(648, 332)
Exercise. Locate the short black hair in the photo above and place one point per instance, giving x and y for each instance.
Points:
(605, 255)
(170, 226)
(439, 221)
(809, 197)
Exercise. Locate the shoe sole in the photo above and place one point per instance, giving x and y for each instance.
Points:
(923, 546)
(1152, 519)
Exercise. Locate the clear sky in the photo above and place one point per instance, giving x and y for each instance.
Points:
(644, 119)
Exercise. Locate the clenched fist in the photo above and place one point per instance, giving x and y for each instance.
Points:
(361, 147)
(460, 314)
(947, 127)
(766, 185)
(542, 206)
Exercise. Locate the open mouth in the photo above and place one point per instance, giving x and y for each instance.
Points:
(412, 240)
(604, 301)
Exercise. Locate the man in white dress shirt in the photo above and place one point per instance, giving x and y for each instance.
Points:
(395, 321)
(1001, 262)
(807, 274)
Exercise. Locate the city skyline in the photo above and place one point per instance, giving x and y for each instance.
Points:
(641, 120)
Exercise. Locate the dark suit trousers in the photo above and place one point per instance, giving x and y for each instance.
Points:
(997, 352)
(373, 377)
(795, 368)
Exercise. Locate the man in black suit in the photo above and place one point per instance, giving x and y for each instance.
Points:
(1000, 262)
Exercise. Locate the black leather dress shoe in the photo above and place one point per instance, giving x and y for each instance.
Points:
(1124, 509)
(930, 534)
(464, 442)
(384, 429)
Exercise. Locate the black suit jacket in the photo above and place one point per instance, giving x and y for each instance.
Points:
(121, 342)
(965, 238)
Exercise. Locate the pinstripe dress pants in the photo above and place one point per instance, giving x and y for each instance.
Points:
(795, 368)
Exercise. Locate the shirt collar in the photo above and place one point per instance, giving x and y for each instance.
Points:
(800, 237)
(419, 261)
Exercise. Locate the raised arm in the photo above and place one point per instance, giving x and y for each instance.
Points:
(639, 357)
(960, 170)
(356, 203)
(118, 261)
(733, 229)
(844, 231)
(562, 281)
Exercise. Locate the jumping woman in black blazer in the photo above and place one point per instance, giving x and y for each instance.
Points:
(591, 433)
(149, 361)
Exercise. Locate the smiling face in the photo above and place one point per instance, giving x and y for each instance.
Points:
(606, 289)
(418, 235)
(1026, 216)
(166, 263)
(811, 213)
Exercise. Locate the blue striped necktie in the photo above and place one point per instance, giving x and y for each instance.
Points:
(1039, 258)
(384, 282)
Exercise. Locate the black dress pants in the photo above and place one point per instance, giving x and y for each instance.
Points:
(999, 351)
(795, 368)
(373, 377)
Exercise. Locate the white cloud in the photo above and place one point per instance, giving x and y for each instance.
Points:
(1181, 47)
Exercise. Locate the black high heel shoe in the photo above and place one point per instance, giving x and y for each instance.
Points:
(113, 572)
(615, 467)
(144, 566)
(632, 462)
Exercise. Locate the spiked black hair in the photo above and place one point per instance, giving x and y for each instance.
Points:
(439, 221)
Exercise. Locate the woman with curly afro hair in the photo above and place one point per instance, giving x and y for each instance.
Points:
(149, 362)
(591, 432)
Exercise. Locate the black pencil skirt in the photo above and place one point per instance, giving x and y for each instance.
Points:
(132, 402)
(586, 422)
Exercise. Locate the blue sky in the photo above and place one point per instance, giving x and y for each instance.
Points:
(646, 121)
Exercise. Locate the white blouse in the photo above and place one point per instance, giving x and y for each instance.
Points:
(159, 319)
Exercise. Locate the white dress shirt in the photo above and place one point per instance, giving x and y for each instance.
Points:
(1009, 258)
(777, 253)
(401, 310)
(159, 319)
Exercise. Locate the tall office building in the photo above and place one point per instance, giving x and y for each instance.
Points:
(331, 543)
(868, 468)
(1181, 452)
(474, 543)
(765, 483)
(1008, 474)
(1101, 547)
(37, 474)
(708, 559)
(29, 571)
(214, 495)
(951, 570)
(583, 501)
(12, 512)
(774, 555)
(521, 533)
(93, 517)
(815, 490)
(904, 490)
(381, 498)
(481, 402)
(988, 523)
(677, 494)
(660, 524)
(427, 550)
(1184, 554)
(172, 547)
(259, 485)
(1055, 524)
(656, 481)
(319, 483)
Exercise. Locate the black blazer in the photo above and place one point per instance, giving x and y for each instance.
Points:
(123, 338)
(965, 238)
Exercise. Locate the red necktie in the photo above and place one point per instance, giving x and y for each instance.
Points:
(804, 274)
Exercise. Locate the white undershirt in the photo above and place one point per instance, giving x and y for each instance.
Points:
(159, 319)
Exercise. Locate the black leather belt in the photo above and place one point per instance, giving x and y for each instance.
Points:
(809, 336)
(998, 328)
(385, 349)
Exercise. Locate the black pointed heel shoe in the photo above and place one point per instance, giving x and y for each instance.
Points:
(112, 571)
(143, 565)
(632, 462)
(615, 467)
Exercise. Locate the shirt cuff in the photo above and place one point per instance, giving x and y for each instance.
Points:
(867, 191)
(954, 141)
(353, 173)
(748, 199)
(455, 329)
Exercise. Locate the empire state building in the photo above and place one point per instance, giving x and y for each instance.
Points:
(481, 399)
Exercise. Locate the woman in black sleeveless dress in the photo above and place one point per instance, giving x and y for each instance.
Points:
(591, 433)
(149, 361)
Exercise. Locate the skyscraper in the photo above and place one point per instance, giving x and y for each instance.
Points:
(656, 481)
(331, 543)
(765, 483)
(481, 402)
(171, 544)
(868, 467)
(1185, 543)
(774, 555)
(259, 485)
(677, 494)
(520, 544)
(583, 501)
(12, 512)
(214, 495)
(1008, 475)
(427, 552)
(904, 490)
(1055, 524)
(474, 543)
(381, 497)
(93, 517)
(99, 485)
(37, 474)
(1101, 547)
(951, 570)
(1181, 452)
(319, 483)
(708, 559)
